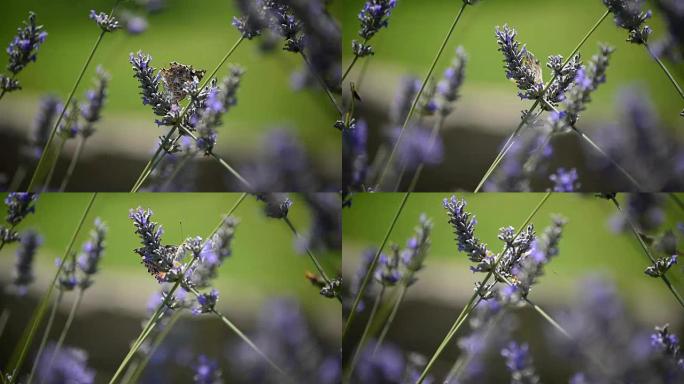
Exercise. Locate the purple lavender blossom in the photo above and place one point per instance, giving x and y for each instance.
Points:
(106, 22)
(67, 277)
(157, 258)
(282, 21)
(23, 268)
(661, 266)
(206, 302)
(418, 146)
(565, 181)
(276, 205)
(71, 124)
(213, 253)
(325, 232)
(19, 205)
(207, 371)
(373, 17)
(448, 87)
(668, 344)
(93, 251)
(252, 21)
(645, 210)
(463, 224)
(49, 109)
(672, 45)
(417, 247)
(521, 65)
(95, 99)
(354, 158)
(564, 77)
(69, 365)
(388, 273)
(386, 365)
(149, 81)
(403, 98)
(356, 280)
(24, 46)
(519, 363)
(629, 16)
(218, 102)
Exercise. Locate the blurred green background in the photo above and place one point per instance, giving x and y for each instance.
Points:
(588, 247)
(196, 33)
(264, 266)
(489, 108)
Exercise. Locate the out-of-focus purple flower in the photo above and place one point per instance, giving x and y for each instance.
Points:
(64, 365)
(356, 280)
(23, 268)
(417, 247)
(668, 344)
(23, 48)
(213, 254)
(519, 363)
(354, 158)
(325, 232)
(92, 253)
(106, 22)
(388, 273)
(628, 15)
(645, 210)
(19, 205)
(672, 45)
(206, 302)
(448, 87)
(135, 24)
(418, 146)
(95, 99)
(276, 205)
(71, 124)
(521, 65)
(403, 98)
(207, 371)
(386, 365)
(49, 109)
(67, 277)
(252, 20)
(565, 181)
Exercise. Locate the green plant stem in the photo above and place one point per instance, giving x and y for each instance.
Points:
(351, 65)
(313, 257)
(677, 200)
(390, 318)
(17, 178)
(371, 267)
(4, 317)
(175, 172)
(148, 167)
(46, 334)
(33, 184)
(322, 83)
(37, 317)
(72, 164)
(140, 368)
(53, 166)
(349, 370)
(433, 136)
(67, 326)
(647, 252)
(511, 138)
(465, 312)
(419, 94)
(665, 70)
(151, 323)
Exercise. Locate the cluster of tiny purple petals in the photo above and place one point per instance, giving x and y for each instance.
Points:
(24, 46)
(373, 17)
(70, 125)
(156, 257)
(106, 22)
(628, 15)
(668, 344)
(95, 98)
(565, 180)
(519, 363)
(149, 84)
(517, 63)
(276, 205)
(207, 371)
(448, 87)
(218, 101)
(564, 76)
(418, 146)
(464, 228)
(417, 247)
(92, 253)
(23, 268)
(354, 158)
(64, 365)
(67, 278)
(19, 205)
(206, 302)
(49, 108)
(388, 273)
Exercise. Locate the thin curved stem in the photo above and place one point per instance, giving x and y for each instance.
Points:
(140, 368)
(371, 267)
(509, 142)
(313, 257)
(419, 94)
(72, 165)
(390, 318)
(355, 357)
(46, 334)
(665, 70)
(610, 159)
(33, 184)
(65, 330)
(53, 166)
(647, 252)
(29, 333)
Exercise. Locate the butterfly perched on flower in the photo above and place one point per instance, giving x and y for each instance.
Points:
(530, 61)
(160, 262)
(179, 78)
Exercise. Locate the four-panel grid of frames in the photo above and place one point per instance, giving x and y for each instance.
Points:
(342, 191)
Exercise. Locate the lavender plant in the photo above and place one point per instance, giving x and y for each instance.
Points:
(107, 24)
(23, 269)
(19, 205)
(519, 363)
(22, 50)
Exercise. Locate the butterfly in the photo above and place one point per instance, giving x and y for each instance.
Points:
(160, 263)
(532, 62)
(177, 77)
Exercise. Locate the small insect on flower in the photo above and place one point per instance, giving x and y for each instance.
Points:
(179, 79)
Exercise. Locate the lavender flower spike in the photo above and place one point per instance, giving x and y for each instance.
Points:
(373, 17)
(667, 343)
(519, 363)
(628, 15)
(448, 87)
(92, 253)
(276, 205)
(106, 22)
(565, 181)
(158, 259)
(22, 50)
(19, 205)
(149, 84)
(521, 65)
(90, 110)
(206, 302)
(207, 371)
(23, 269)
(69, 365)
(464, 228)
